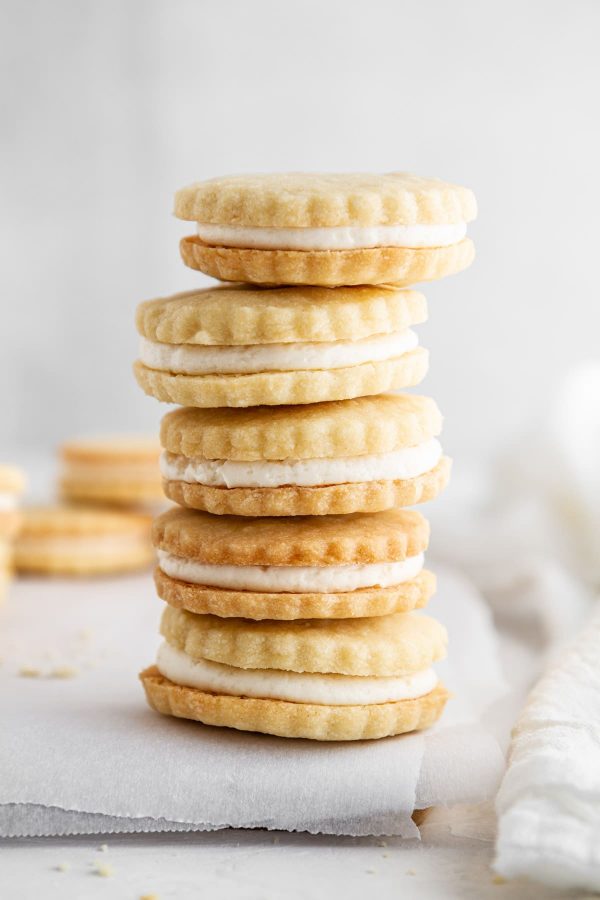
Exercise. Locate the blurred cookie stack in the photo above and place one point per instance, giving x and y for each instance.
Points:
(120, 471)
(291, 567)
(12, 485)
(109, 487)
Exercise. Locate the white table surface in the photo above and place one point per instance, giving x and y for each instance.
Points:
(253, 865)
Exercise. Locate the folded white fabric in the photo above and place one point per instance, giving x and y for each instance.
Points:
(549, 802)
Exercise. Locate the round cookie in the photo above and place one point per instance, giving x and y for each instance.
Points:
(12, 485)
(381, 646)
(78, 540)
(243, 347)
(330, 567)
(119, 469)
(326, 680)
(327, 229)
(361, 455)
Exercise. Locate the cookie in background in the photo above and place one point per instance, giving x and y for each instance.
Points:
(12, 486)
(80, 540)
(112, 470)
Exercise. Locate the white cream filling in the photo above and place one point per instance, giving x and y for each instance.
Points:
(343, 238)
(295, 579)
(8, 501)
(298, 687)
(409, 462)
(198, 359)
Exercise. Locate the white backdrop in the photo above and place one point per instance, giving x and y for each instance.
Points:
(109, 107)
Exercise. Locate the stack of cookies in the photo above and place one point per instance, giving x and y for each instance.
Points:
(120, 471)
(109, 488)
(12, 485)
(291, 568)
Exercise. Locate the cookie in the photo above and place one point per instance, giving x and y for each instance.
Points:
(327, 680)
(293, 568)
(119, 470)
(78, 540)
(361, 455)
(249, 347)
(327, 229)
(12, 486)
(379, 646)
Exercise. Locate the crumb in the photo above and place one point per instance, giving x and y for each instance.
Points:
(64, 672)
(103, 848)
(29, 672)
(410, 872)
(385, 855)
(370, 871)
(63, 867)
(103, 869)
(498, 879)
(149, 897)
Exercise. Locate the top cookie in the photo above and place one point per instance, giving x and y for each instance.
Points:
(307, 200)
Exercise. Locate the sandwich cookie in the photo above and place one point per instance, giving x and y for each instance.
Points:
(12, 485)
(327, 229)
(348, 679)
(120, 470)
(361, 455)
(303, 567)
(244, 347)
(75, 540)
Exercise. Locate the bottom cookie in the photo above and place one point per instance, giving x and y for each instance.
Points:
(294, 720)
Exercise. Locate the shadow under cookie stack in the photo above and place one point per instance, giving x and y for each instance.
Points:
(291, 568)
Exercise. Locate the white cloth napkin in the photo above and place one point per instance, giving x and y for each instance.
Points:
(529, 537)
(549, 802)
(84, 754)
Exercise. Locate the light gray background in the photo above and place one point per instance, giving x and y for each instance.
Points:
(108, 107)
